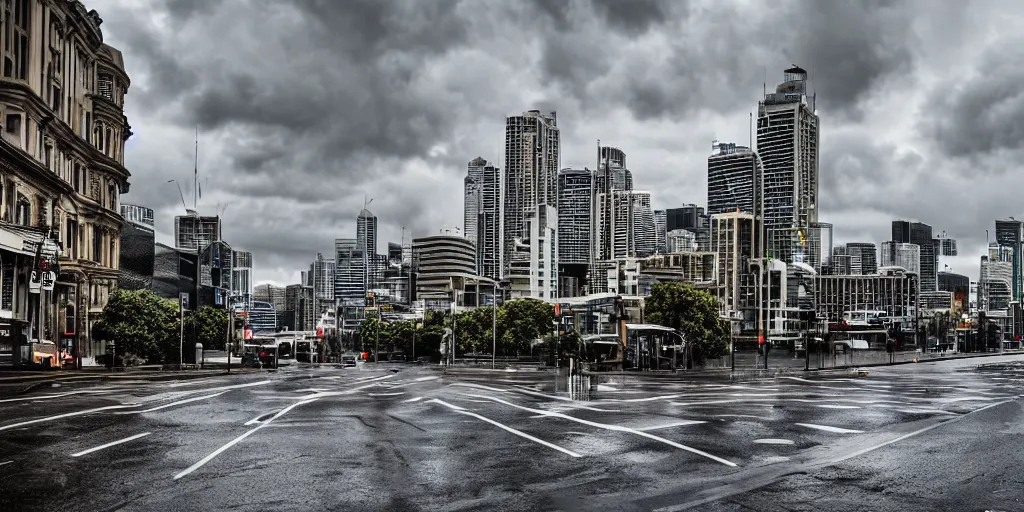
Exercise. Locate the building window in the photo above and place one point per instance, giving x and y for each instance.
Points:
(71, 239)
(12, 129)
(107, 149)
(16, 24)
(48, 155)
(76, 177)
(112, 197)
(24, 211)
(113, 253)
(105, 86)
(97, 244)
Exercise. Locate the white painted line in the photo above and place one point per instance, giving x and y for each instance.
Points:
(6, 463)
(829, 406)
(826, 428)
(386, 394)
(922, 410)
(507, 428)
(671, 425)
(421, 379)
(800, 379)
(237, 440)
(521, 389)
(478, 386)
(108, 445)
(912, 434)
(416, 399)
(172, 404)
(773, 441)
(617, 428)
(66, 415)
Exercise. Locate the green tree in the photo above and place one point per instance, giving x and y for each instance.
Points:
(373, 334)
(400, 335)
(208, 326)
(692, 312)
(142, 324)
(521, 321)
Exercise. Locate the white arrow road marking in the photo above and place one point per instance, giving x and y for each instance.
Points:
(108, 445)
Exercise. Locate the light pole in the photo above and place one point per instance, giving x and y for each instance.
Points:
(494, 320)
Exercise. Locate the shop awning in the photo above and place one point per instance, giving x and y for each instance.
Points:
(22, 239)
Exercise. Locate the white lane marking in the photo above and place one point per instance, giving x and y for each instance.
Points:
(5, 463)
(66, 415)
(646, 399)
(829, 406)
(921, 410)
(478, 386)
(858, 453)
(416, 399)
(386, 394)
(800, 380)
(227, 388)
(108, 445)
(670, 425)
(826, 428)
(421, 379)
(741, 416)
(507, 428)
(773, 441)
(584, 407)
(237, 440)
(172, 404)
(617, 428)
(544, 395)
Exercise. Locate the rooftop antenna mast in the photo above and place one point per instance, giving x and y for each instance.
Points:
(195, 175)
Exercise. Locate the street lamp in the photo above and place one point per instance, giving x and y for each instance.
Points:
(494, 313)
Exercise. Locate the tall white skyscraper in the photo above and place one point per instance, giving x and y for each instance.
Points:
(903, 255)
(644, 233)
(532, 145)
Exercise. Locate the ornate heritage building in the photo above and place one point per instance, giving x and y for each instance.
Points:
(61, 171)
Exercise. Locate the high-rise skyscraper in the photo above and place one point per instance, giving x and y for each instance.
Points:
(532, 145)
(920, 234)
(575, 229)
(660, 230)
(575, 215)
(901, 254)
(482, 216)
(733, 173)
(366, 243)
(645, 240)
(349, 271)
(614, 225)
(787, 142)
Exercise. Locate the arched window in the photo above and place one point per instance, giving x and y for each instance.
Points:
(24, 211)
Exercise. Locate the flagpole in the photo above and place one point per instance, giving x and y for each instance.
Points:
(195, 175)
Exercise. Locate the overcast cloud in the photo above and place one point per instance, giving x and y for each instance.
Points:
(306, 107)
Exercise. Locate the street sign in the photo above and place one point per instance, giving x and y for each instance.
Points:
(182, 301)
(33, 283)
(558, 309)
(49, 278)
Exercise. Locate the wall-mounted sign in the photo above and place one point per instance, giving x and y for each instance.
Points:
(33, 283)
(49, 278)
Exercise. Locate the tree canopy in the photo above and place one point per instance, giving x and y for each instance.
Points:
(692, 312)
(140, 323)
(519, 322)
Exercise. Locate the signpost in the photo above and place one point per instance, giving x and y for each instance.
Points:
(182, 305)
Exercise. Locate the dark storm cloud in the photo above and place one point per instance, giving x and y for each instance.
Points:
(850, 49)
(307, 105)
(984, 112)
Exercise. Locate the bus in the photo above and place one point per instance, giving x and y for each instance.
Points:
(648, 347)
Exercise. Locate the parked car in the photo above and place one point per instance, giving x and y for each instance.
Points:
(348, 361)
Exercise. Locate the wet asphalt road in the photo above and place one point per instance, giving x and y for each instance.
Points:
(937, 436)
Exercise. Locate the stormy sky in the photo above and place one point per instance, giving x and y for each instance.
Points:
(307, 107)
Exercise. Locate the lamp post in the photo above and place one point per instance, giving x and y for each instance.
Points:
(494, 320)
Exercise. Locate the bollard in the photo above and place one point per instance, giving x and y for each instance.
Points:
(199, 354)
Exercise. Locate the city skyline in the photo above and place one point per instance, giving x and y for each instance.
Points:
(664, 112)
